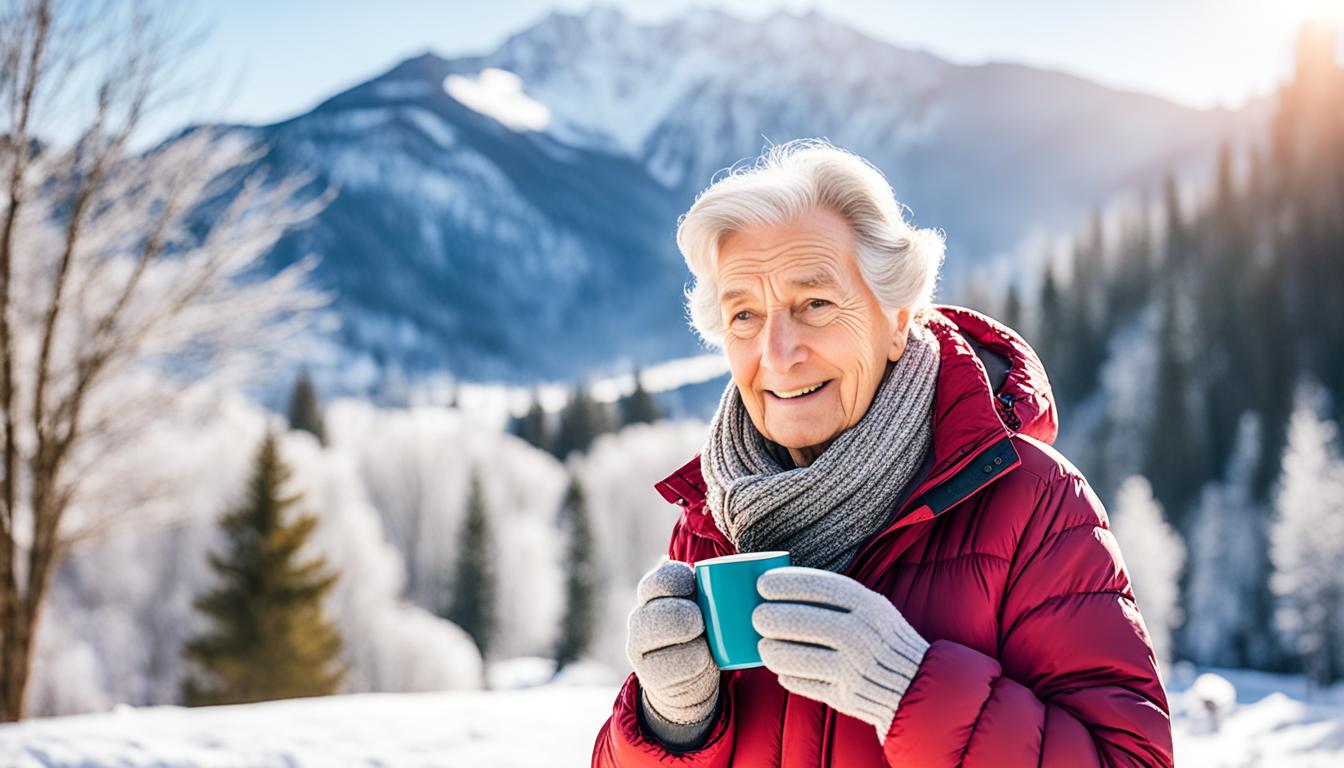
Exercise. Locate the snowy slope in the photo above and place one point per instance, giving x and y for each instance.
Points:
(545, 726)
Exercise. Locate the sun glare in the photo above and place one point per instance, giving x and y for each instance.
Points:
(1316, 11)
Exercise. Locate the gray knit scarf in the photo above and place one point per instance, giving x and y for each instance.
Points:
(823, 512)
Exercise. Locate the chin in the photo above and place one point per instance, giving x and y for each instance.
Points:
(799, 438)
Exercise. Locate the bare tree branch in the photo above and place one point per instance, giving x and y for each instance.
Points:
(116, 269)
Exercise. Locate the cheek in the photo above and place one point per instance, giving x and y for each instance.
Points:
(855, 338)
(743, 361)
(861, 355)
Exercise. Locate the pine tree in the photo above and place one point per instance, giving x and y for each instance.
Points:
(1223, 297)
(305, 412)
(1177, 253)
(582, 420)
(532, 426)
(270, 639)
(1131, 286)
(1012, 310)
(639, 407)
(1175, 455)
(1088, 313)
(576, 628)
(472, 601)
(1050, 339)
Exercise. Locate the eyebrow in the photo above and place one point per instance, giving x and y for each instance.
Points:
(817, 280)
(810, 282)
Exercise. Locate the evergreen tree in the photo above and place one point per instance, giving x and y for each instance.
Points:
(1050, 339)
(581, 584)
(1176, 254)
(1223, 298)
(1308, 544)
(532, 426)
(1131, 285)
(1230, 607)
(270, 639)
(305, 412)
(1012, 310)
(1175, 455)
(639, 407)
(581, 421)
(472, 602)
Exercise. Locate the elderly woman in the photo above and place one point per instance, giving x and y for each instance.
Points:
(956, 596)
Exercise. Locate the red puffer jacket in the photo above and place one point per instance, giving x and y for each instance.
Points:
(1001, 557)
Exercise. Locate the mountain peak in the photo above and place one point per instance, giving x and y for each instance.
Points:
(604, 14)
(427, 66)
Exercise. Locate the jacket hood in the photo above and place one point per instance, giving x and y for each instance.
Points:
(1013, 371)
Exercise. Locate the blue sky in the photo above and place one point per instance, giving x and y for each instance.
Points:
(270, 59)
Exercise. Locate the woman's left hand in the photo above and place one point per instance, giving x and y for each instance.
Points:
(831, 639)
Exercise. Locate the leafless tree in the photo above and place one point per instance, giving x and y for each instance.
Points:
(115, 266)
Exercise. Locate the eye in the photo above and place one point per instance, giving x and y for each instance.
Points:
(744, 315)
(818, 303)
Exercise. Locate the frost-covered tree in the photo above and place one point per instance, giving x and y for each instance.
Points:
(305, 411)
(269, 638)
(1308, 542)
(471, 605)
(1153, 555)
(1128, 376)
(112, 264)
(1229, 615)
(414, 464)
(389, 644)
(581, 583)
(104, 641)
(631, 522)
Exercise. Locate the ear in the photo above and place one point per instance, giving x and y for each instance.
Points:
(900, 332)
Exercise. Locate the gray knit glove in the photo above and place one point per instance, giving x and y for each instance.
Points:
(831, 639)
(667, 647)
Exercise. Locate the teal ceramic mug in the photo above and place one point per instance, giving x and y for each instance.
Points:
(725, 588)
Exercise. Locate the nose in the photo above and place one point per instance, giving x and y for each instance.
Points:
(782, 343)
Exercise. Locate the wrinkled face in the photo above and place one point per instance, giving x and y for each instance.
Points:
(806, 339)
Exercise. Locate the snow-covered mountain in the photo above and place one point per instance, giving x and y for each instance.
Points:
(511, 215)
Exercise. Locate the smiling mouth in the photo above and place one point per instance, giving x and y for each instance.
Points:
(795, 394)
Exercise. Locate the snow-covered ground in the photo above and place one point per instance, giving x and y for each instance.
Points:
(554, 725)
(1267, 720)
(472, 729)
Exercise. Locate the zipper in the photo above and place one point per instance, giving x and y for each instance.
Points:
(1007, 401)
(906, 508)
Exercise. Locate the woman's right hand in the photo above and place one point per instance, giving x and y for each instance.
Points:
(667, 647)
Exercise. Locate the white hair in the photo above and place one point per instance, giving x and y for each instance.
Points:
(899, 262)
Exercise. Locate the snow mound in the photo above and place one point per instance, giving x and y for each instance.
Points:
(522, 672)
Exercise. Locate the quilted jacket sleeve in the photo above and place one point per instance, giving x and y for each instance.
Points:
(1075, 684)
(623, 740)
